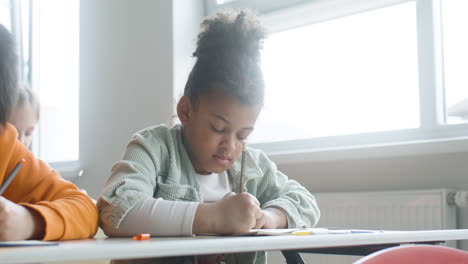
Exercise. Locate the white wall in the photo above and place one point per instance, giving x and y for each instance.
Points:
(396, 173)
(186, 22)
(126, 78)
(132, 55)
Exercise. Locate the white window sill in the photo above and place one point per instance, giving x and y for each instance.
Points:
(387, 150)
(69, 170)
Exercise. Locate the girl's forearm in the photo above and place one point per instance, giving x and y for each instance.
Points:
(205, 220)
(37, 224)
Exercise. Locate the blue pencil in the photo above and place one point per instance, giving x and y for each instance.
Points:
(12, 175)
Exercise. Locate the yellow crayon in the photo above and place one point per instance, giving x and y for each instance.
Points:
(302, 233)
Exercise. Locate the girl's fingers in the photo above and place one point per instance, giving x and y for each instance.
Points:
(260, 223)
(253, 199)
(259, 214)
(229, 194)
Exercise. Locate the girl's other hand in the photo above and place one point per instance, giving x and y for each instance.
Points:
(272, 218)
(18, 222)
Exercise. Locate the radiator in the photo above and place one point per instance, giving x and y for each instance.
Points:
(390, 210)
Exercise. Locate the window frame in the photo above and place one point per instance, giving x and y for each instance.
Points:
(263, 6)
(433, 135)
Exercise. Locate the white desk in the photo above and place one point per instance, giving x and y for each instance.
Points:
(126, 248)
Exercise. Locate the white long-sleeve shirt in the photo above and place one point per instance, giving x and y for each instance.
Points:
(171, 218)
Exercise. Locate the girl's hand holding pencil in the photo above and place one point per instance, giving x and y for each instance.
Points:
(235, 213)
(18, 222)
(271, 217)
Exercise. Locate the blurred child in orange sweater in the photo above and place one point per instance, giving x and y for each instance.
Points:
(38, 204)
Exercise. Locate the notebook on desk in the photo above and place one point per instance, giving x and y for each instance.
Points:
(27, 243)
(306, 231)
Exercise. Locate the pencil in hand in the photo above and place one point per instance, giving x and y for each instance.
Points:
(241, 185)
(11, 176)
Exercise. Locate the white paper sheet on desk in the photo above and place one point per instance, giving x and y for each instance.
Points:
(305, 231)
(27, 243)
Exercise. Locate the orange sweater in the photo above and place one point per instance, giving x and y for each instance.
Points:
(67, 212)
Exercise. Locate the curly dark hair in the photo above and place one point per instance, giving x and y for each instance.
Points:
(228, 58)
(8, 74)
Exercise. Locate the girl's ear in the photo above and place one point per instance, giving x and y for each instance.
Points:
(184, 110)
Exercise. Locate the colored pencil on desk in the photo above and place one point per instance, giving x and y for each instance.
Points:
(11, 176)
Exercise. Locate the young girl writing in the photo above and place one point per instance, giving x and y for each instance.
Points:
(25, 115)
(181, 180)
(37, 204)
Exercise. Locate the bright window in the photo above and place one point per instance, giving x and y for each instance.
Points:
(455, 43)
(5, 18)
(47, 34)
(56, 77)
(343, 74)
(356, 74)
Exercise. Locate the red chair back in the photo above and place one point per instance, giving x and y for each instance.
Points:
(416, 254)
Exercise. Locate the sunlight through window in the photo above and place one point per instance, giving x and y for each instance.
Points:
(350, 75)
(57, 73)
(455, 42)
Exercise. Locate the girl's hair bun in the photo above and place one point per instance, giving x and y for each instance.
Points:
(228, 58)
(230, 31)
